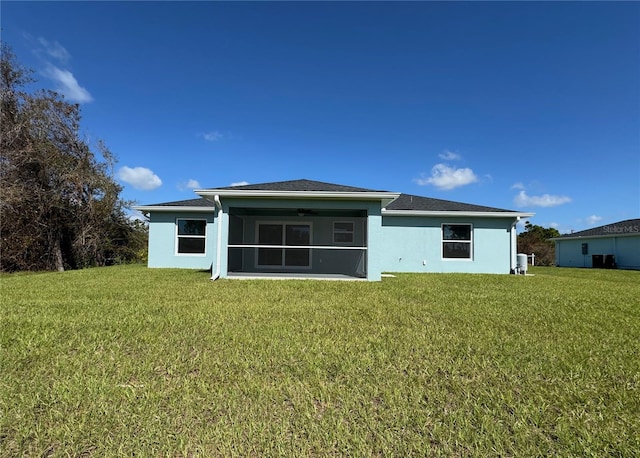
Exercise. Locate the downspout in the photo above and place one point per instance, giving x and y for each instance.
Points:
(514, 245)
(215, 274)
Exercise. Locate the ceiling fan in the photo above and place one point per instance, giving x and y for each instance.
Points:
(306, 212)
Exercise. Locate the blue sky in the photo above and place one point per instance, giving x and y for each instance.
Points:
(530, 106)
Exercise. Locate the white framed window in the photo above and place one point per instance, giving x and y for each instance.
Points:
(287, 235)
(343, 232)
(457, 241)
(191, 236)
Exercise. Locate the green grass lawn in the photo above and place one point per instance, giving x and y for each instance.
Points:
(132, 361)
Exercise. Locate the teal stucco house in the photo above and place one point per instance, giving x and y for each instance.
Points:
(311, 229)
(615, 245)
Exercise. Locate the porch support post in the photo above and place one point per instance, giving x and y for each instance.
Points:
(224, 251)
(374, 242)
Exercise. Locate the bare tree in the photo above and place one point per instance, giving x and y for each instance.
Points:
(59, 205)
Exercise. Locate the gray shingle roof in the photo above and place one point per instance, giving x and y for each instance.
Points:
(298, 185)
(406, 202)
(626, 227)
(419, 203)
(201, 202)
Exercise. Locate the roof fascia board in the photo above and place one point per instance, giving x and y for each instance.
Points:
(602, 236)
(364, 195)
(173, 208)
(361, 195)
(456, 213)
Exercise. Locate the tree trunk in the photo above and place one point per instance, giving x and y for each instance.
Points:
(57, 255)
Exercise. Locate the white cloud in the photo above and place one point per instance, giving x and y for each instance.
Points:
(67, 84)
(517, 186)
(239, 183)
(446, 178)
(193, 184)
(140, 178)
(189, 184)
(545, 200)
(593, 219)
(212, 136)
(447, 155)
(55, 50)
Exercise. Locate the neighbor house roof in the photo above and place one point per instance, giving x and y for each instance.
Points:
(626, 227)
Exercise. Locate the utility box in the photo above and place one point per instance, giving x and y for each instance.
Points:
(597, 261)
(609, 261)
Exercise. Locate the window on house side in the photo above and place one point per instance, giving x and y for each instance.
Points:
(343, 232)
(457, 241)
(192, 235)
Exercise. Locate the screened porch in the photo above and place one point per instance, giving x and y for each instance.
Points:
(298, 242)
